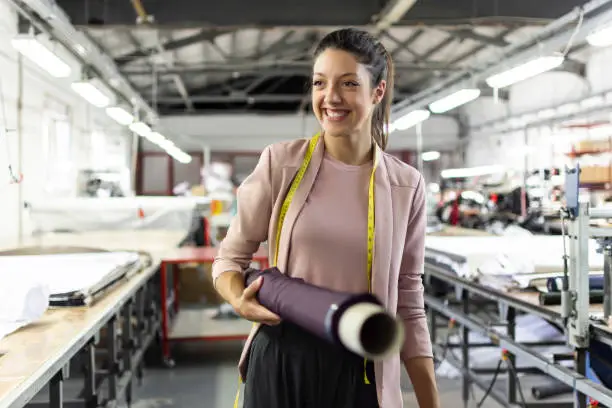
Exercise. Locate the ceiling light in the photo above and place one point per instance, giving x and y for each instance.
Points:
(454, 100)
(179, 155)
(46, 59)
(120, 115)
(140, 128)
(472, 171)
(91, 93)
(155, 137)
(166, 144)
(430, 156)
(410, 119)
(600, 38)
(528, 70)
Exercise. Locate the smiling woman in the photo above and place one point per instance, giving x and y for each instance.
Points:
(353, 221)
(352, 89)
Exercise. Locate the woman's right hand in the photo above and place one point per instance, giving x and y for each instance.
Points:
(249, 308)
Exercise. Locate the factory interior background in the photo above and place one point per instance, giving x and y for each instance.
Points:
(126, 127)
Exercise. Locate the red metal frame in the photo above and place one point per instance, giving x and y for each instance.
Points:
(186, 255)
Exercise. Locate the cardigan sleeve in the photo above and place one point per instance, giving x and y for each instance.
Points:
(249, 227)
(411, 304)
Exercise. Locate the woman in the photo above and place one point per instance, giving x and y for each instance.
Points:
(349, 201)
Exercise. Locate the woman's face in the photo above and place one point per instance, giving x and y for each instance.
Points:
(342, 96)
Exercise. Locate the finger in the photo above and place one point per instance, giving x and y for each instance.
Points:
(271, 322)
(264, 314)
(252, 289)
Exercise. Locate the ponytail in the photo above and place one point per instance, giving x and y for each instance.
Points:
(382, 111)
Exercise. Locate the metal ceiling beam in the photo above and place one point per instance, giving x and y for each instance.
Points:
(437, 48)
(393, 12)
(325, 13)
(469, 53)
(279, 68)
(238, 97)
(405, 45)
(552, 38)
(178, 80)
(468, 34)
(47, 16)
(203, 36)
(460, 58)
(273, 48)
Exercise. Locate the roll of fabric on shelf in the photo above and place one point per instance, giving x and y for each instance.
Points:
(555, 284)
(357, 322)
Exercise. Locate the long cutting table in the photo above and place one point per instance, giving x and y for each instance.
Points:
(35, 355)
(510, 303)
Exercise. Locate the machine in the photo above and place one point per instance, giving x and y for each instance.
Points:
(576, 290)
(592, 355)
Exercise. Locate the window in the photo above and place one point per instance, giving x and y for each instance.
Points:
(57, 152)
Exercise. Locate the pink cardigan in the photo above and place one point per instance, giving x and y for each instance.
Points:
(400, 215)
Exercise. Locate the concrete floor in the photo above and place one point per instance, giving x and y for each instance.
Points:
(205, 376)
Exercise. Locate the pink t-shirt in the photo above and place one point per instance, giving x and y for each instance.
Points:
(335, 216)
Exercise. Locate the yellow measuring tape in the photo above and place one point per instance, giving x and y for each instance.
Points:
(285, 208)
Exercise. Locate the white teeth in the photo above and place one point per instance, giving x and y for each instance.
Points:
(336, 114)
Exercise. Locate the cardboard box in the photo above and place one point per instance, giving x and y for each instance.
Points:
(196, 285)
(592, 146)
(595, 174)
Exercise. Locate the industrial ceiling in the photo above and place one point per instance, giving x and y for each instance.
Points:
(195, 58)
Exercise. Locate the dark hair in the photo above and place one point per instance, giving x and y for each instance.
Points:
(372, 53)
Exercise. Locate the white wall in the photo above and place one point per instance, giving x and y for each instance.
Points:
(93, 138)
(244, 132)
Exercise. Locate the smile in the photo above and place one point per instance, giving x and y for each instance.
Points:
(336, 115)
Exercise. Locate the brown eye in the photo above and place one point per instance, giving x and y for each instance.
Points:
(317, 82)
(351, 84)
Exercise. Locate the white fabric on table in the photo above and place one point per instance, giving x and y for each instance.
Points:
(22, 302)
(64, 273)
(28, 281)
(509, 254)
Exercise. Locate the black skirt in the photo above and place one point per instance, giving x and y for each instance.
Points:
(291, 368)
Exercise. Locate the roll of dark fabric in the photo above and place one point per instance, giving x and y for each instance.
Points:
(320, 310)
(596, 282)
(554, 298)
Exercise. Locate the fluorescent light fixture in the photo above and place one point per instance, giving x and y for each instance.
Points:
(168, 146)
(120, 115)
(411, 119)
(155, 137)
(472, 171)
(430, 156)
(140, 128)
(179, 155)
(528, 70)
(35, 51)
(601, 37)
(454, 100)
(91, 93)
